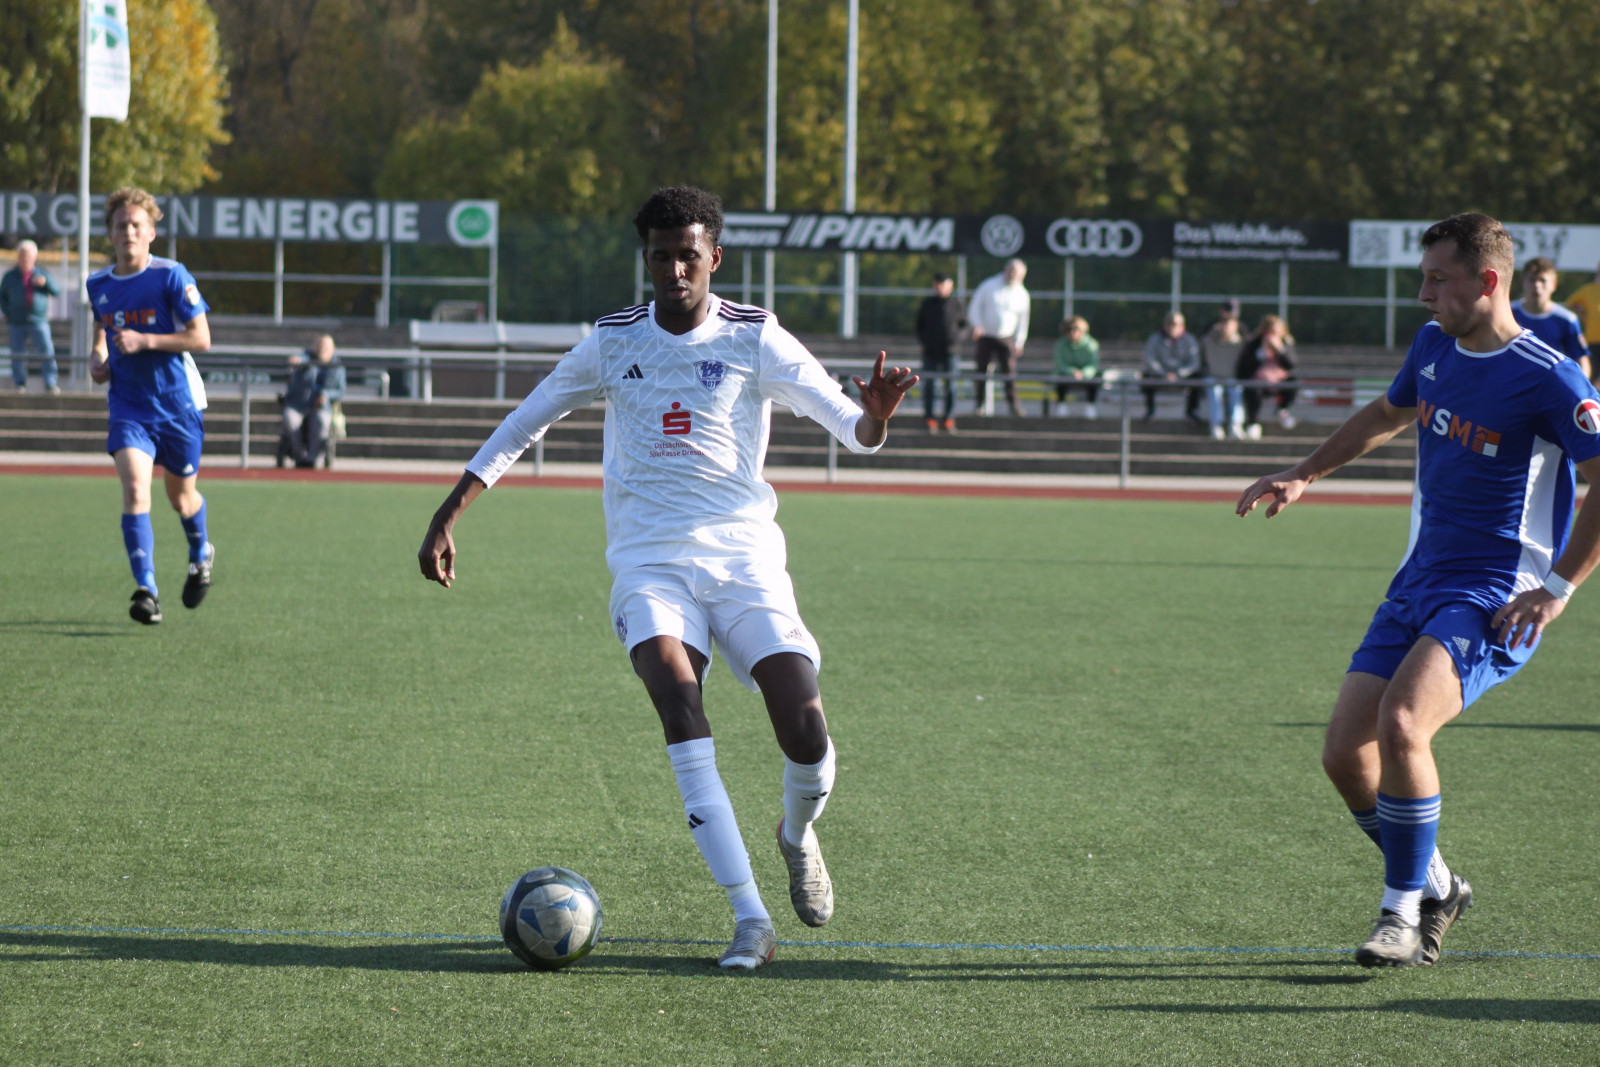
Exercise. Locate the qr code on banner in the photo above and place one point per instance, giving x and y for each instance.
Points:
(1369, 245)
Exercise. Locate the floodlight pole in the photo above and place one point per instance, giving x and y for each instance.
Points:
(847, 303)
(82, 332)
(770, 258)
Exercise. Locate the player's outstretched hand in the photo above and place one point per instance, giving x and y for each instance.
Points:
(882, 395)
(1284, 487)
(1525, 617)
(437, 555)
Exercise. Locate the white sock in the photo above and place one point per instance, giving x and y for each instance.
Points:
(746, 901)
(805, 794)
(1438, 878)
(1406, 903)
(710, 814)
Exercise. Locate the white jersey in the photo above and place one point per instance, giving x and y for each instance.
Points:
(687, 422)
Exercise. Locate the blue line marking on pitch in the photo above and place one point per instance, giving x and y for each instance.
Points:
(967, 946)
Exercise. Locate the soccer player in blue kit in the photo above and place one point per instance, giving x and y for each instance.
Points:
(1501, 420)
(151, 316)
(1538, 313)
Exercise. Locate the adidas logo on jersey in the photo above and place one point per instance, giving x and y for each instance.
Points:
(1463, 645)
(634, 372)
(1427, 372)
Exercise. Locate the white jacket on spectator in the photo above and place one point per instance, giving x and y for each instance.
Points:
(1000, 310)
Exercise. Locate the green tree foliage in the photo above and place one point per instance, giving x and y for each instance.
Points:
(1247, 108)
(320, 90)
(175, 110)
(555, 136)
(1364, 108)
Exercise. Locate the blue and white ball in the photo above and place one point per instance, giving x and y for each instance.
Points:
(550, 917)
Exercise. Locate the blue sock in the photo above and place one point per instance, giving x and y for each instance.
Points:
(140, 540)
(194, 528)
(1368, 821)
(1409, 828)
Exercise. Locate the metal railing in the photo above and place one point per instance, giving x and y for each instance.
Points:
(1119, 388)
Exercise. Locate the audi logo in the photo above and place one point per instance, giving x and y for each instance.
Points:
(1094, 237)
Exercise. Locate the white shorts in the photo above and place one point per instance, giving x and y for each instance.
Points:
(747, 609)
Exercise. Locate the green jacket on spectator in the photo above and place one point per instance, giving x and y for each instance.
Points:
(1083, 356)
(21, 307)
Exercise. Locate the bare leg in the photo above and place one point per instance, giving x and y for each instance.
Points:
(1424, 694)
(788, 684)
(671, 673)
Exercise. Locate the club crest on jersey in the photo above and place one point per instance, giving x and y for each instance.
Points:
(1587, 416)
(621, 622)
(711, 372)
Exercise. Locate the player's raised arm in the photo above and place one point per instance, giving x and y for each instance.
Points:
(879, 399)
(1361, 433)
(437, 556)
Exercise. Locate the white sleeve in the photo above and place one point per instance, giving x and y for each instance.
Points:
(980, 312)
(792, 376)
(1025, 306)
(574, 383)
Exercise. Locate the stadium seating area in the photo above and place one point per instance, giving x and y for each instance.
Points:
(462, 414)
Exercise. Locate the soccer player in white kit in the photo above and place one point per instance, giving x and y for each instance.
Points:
(696, 557)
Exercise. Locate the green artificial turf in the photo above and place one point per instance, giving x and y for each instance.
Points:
(1059, 723)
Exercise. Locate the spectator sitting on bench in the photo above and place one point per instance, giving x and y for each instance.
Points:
(1267, 357)
(1077, 356)
(316, 384)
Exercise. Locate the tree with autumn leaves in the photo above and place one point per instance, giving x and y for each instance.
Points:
(1223, 108)
(175, 114)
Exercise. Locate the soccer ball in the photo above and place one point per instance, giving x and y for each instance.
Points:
(550, 917)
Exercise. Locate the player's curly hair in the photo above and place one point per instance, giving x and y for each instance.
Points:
(678, 206)
(132, 196)
(1480, 241)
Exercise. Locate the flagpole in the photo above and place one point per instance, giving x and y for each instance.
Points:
(82, 332)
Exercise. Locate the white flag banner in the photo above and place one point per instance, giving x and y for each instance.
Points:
(109, 65)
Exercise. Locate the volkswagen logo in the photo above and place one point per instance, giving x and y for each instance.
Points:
(1001, 236)
(1094, 237)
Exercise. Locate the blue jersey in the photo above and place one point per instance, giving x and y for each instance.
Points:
(1558, 328)
(162, 298)
(1497, 435)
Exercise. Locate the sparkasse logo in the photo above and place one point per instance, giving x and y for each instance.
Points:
(674, 423)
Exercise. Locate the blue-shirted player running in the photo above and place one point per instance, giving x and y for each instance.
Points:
(1538, 313)
(152, 317)
(1501, 419)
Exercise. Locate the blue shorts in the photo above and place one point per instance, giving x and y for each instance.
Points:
(1457, 622)
(175, 443)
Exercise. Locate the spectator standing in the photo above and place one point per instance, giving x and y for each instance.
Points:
(1219, 349)
(1585, 301)
(1172, 354)
(316, 383)
(999, 315)
(941, 320)
(25, 292)
(1077, 356)
(1267, 357)
(1544, 318)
